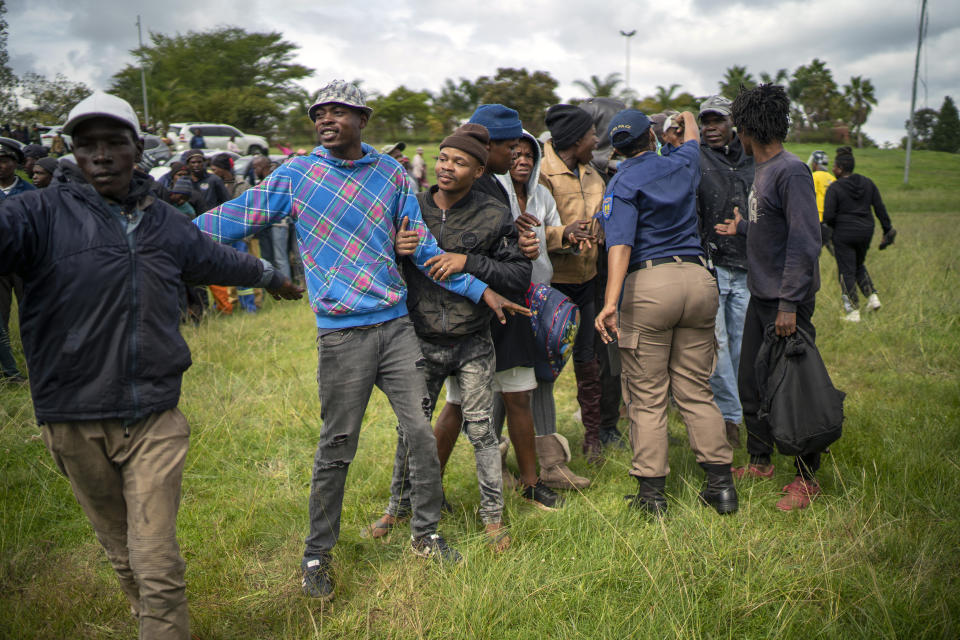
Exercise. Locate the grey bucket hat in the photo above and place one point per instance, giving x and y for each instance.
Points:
(340, 92)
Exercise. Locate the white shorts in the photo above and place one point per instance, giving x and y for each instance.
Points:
(510, 381)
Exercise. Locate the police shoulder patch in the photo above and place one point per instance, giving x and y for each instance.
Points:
(607, 208)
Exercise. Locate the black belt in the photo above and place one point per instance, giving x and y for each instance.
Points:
(643, 264)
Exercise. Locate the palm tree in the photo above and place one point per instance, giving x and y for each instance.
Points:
(597, 88)
(734, 78)
(782, 77)
(664, 96)
(859, 96)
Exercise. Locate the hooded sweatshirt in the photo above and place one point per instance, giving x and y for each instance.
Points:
(540, 205)
(846, 207)
(346, 215)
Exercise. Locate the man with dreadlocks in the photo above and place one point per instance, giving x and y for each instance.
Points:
(783, 275)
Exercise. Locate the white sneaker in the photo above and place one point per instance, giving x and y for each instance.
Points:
(873, 302)
(853, 316)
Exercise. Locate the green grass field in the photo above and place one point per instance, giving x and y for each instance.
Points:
(877, 556)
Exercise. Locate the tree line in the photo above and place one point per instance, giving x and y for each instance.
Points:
(249, 80)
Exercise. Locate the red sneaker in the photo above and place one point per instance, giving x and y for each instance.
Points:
(799, 494)
(760, 471)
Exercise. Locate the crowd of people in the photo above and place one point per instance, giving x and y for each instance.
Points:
(677, 238)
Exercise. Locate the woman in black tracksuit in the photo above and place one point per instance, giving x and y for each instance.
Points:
(846, 209)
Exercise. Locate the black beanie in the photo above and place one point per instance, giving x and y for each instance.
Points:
(222, 161)
(567, 124)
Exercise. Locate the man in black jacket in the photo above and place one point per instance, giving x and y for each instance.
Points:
(479, 238)
(106, 368)
(726, 176)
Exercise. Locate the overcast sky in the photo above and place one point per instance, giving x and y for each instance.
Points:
(419, 44)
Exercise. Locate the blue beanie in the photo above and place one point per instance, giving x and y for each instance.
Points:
(502, 122)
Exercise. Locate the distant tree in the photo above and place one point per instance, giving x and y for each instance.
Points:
(733, 78)
(460, 98)
(664, 96)
(946, 133)
(402, 113)
(781, 77)
(52, 99)
(600, 88)
(8, 81)
(529, 93)
(817, 101)
(924, 121)
(859, 96)
(225, 74)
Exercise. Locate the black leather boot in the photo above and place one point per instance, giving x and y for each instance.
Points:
(718, 490)
(650, 496)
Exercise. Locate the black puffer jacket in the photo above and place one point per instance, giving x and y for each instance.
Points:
(726, 175)
(483, 229)
(846, 206)
(99, 315)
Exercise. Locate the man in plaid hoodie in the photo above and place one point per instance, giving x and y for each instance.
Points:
(348, 201)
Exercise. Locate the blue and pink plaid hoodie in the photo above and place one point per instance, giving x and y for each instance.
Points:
(347, 213)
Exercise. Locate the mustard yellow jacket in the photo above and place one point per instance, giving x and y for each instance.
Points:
(577, 198)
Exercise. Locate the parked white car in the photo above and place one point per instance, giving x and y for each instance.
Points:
(215, 136)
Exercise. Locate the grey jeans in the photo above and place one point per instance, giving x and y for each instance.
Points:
(472, 360)
(127, 480)
(350, 363)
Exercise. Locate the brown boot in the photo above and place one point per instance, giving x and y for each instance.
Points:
(553, 452)
(588, 395)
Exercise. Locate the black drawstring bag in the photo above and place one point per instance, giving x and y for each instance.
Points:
(797, 398)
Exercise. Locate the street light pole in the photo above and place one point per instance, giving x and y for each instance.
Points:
(627, 35)
(143, 78)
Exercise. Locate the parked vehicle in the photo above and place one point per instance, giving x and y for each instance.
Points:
(155, 151)
(215, 136)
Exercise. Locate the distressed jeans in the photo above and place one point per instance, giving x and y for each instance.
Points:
(472, 361)
(734, 298)
(350, 363)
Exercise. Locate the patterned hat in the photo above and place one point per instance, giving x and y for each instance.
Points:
(340, 92)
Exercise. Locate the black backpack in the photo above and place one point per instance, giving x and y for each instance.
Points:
(797, 398)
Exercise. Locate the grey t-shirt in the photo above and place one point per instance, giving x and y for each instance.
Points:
(783, 233)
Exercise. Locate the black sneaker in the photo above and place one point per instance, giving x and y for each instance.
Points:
(541, 496)
(434, 546)
(317, 582)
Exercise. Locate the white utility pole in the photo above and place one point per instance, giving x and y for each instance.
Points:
(913, 95)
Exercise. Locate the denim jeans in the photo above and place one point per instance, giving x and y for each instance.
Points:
(350, 363)
(734, 298)
(8, 364)
(472, 361)
(279, 236)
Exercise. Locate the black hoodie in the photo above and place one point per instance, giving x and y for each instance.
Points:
(846, 206)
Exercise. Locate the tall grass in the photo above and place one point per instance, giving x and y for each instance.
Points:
(876, 556)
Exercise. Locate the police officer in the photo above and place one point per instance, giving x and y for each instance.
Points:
(666, 318)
